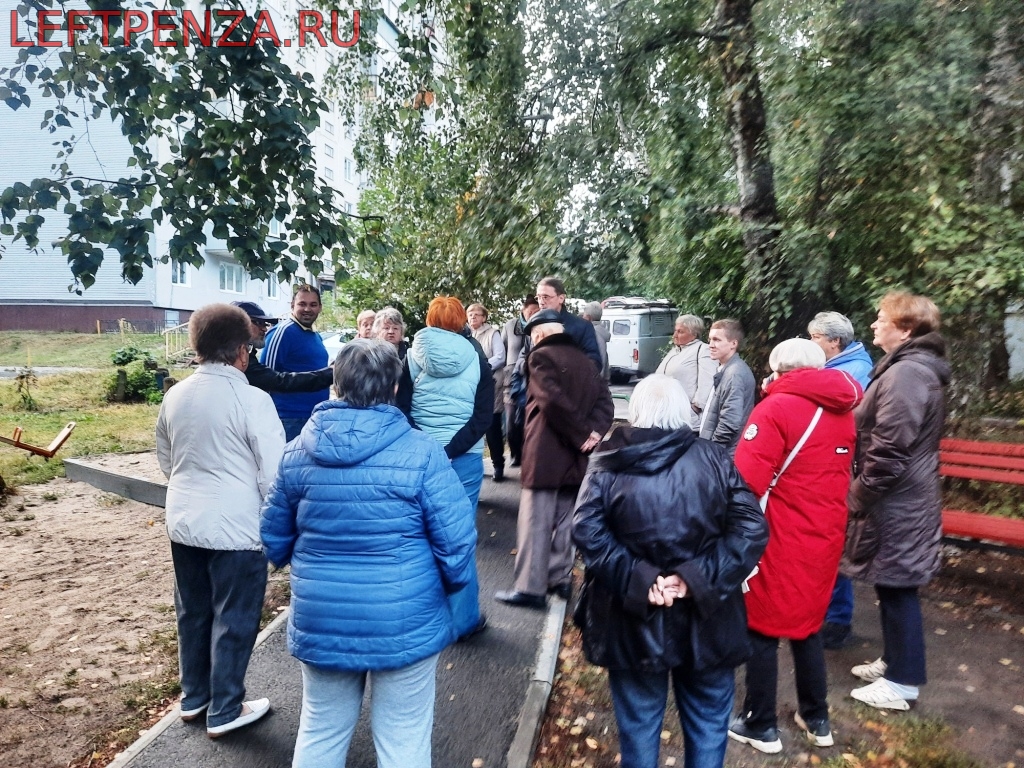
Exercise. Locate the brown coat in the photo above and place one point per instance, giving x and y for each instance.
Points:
(566, 400)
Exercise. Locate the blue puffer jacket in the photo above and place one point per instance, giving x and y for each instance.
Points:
(856, 361)
(377, 528)
(445, 372)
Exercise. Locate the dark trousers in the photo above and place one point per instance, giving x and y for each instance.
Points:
(513, 434)
(902, 635)
(495, 442)
(763, 680)
(703, 698)
(218, 598)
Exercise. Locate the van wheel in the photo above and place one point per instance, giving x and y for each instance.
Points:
(618, 377)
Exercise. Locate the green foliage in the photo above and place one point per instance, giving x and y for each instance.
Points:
(236, 122)
(23, 383)
(140, 386)
(125, 355)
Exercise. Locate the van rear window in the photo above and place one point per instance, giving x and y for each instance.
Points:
(620, 328)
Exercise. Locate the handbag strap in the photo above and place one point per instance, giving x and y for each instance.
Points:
(792, 455)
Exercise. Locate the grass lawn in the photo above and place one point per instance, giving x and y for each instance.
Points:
(72, 350)
(78, 396)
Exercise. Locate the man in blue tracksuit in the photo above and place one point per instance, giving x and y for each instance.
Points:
(833, 332)
(293, 345)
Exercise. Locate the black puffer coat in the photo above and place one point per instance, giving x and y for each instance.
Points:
(895, 499)
(657, 502)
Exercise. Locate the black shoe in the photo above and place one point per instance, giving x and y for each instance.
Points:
(499, 474)
(818, 732)
(766, 740)
(523, 599)
(480, 627)
(563, 591)
(835, 636)
(514, 463)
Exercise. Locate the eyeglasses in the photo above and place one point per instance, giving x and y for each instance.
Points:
(545, 296)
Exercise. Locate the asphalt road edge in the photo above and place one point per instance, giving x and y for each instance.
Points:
(135, 748)
(520, 752)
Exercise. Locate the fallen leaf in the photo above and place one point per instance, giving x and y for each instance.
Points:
(670, 761)
(478, 762)
(963, 667)
(980, 570)
(590, 715)
(940, 631)
(450, 665)
(591, 742)
(575, 731)
(1005, 662)
(1019, 709)
(666, 735)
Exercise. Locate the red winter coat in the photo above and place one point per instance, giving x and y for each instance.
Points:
(807, 508)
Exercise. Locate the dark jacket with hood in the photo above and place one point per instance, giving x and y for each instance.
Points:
(656, 502)
(895, 500)
(269, 380)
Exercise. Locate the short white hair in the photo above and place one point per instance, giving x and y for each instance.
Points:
(791, 354)
(659, 401)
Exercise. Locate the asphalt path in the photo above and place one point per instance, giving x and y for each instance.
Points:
(481, 684)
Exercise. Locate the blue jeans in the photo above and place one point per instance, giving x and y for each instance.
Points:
(840, 608)
(902, 635)
(292, 427)
(703, 698)
(218, 598)
(401, 715)
(465, 604)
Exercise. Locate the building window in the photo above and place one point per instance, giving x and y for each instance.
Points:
(329, 127)
(330, 105)
(348, 169)
(328, 150)
(275, 228)
(179, 273)
(271, 287)
(329, 173)
(348, 132)
(232, 278)
(350, 208)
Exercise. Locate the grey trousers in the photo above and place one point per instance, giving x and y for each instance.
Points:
(544, 539)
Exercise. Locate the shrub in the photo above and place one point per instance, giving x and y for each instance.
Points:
(128, 354)
(140, 386)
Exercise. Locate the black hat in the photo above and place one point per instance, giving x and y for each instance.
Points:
(254, 311)
(542, 317)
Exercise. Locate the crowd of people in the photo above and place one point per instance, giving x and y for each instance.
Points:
(724, 517)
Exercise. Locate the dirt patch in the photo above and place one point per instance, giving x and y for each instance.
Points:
(87, 634)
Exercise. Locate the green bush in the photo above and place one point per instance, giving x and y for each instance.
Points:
(128, 354)
(140, 386)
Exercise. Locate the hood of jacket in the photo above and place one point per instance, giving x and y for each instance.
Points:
(835, 391)
(338, 435)
(442, 354)
(639, 451)
(928, 350)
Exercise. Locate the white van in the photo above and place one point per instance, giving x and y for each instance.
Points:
(641, 332)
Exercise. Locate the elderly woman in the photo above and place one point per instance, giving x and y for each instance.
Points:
(689, 362)
(447, 391)
(378, 532)
(668, 531)
(389, 326)
(489, 339)
(218, 441)
(795, 454)
(895, 502)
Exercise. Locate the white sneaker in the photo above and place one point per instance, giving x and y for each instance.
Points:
(188, 715)
(870, 672)
(251, 712)
(880, 695)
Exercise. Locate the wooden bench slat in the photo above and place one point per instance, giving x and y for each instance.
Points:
(975, 525)
(977, 446)
(976, 473)
(976, 460)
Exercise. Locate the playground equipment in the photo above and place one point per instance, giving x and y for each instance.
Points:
(47, 452)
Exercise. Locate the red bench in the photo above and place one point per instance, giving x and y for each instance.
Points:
(992, 462)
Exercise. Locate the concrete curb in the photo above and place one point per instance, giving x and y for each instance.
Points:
(520, 752)
(151, 735)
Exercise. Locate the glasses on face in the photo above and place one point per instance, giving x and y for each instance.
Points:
(546, 297)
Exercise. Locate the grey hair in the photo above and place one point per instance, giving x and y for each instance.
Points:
(833, 326)
(659, 401)
(366, 372)
(593, 310)
(364, 314)
(693, 324)
(388, 315)
(217, 331)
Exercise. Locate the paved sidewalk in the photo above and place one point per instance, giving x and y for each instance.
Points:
(488, 689)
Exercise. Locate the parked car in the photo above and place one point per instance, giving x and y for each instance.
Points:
(641, 332)
(335, 340)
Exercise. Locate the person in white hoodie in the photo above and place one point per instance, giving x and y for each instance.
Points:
(219, 442)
